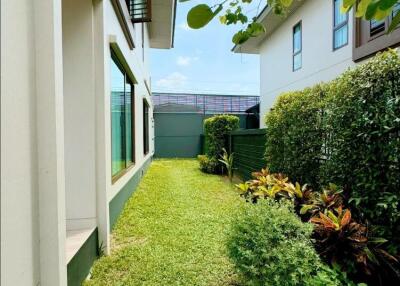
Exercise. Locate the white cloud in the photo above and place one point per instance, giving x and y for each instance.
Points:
(185, 61)
(184, 26)
(173, 80)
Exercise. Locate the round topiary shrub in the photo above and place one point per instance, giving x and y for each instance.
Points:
(270, 245)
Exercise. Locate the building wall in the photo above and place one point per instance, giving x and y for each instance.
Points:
(320, 63)
(19, 192)
(55, 105)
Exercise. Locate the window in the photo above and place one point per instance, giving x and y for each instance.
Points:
(340, 26)
(371, 37)
(122, 119)
(145, 127)
(297, 47)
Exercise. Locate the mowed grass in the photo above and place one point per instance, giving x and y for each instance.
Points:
(172, 231)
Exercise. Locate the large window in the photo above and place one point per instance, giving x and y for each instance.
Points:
(122, 119)
(297, 47)
(340, 26)
(145, 127)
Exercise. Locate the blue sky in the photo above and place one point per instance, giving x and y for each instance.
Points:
(201, 60)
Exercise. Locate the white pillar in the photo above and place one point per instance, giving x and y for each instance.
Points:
(50, 142)
(103, 176)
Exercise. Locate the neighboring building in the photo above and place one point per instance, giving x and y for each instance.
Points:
(314, 43)
(76, 128)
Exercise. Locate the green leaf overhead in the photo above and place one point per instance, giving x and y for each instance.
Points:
(199, 16)
(395, 23)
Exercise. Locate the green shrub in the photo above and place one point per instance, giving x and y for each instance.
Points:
(346, 132)
(270, 245)
(363, 124)
(207, 165)
(295, 136)
(215, 130)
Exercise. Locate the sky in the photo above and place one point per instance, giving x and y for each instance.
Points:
(201, 60)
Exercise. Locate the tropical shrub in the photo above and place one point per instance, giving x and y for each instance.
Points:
(207, 165)
(268, 185)
(270, 245)
(341, 241)
(295, 136)
(227, 160)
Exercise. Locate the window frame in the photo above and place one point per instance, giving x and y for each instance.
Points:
(127, 79)
(366, 45)
(301, 46)
(338, 27)
(146, 131)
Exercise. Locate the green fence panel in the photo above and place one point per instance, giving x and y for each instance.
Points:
(249, 148)
(180, 135)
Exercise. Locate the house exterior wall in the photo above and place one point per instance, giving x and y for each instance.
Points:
(19, 197)
(320, 63)
(56, 130)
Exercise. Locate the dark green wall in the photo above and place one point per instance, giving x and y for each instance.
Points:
(118, 202)
(249, 148)
(178, 135)
(79, 266)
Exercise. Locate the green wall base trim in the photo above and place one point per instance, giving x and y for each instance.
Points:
(118, 202)
(79, 266)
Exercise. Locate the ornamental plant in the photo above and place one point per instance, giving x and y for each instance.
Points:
(270, 245)
(216, 128)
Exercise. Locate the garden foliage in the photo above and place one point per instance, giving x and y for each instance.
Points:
(341, 240)
(215, 130)
(346, 132)
(270, 245)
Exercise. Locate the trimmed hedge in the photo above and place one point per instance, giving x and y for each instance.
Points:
(215, 130)
(346, 132)
(295, 136)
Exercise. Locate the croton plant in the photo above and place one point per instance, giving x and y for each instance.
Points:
(338, 237)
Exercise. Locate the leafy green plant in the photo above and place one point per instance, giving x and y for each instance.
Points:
(268, 185)
(340, 239)
(362, 124)
(216, 128)
(294, 135)
(330, 198)
(270, 245)
(207, 165)
(227, 160)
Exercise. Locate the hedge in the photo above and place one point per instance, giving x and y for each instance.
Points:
(346, 132)
(215, 130)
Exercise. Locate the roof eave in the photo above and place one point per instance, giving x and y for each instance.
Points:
(162, 26)
(271, 22)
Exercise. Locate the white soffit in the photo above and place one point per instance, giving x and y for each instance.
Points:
(162, 25)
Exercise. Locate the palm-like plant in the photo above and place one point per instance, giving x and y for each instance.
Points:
(227, 160)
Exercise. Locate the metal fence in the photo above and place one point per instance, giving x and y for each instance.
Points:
(205, 103)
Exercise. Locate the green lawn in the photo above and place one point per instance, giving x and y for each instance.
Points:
(172, 231)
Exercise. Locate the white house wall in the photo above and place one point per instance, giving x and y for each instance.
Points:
(319, 62)
(19, 197)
